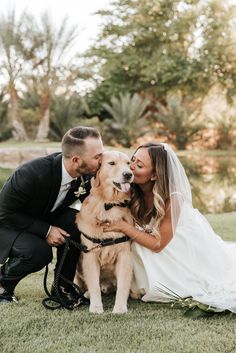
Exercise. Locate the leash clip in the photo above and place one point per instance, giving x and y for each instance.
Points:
(97, 246)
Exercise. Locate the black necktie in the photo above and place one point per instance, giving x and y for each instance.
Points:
(73, 183)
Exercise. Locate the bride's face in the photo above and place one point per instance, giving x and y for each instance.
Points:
(141, 166)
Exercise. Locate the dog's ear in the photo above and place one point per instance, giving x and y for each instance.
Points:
(96, 180)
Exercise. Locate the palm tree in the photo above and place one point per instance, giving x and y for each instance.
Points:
(48, 65)
(179, 119)
(128, 118)
(12, 32)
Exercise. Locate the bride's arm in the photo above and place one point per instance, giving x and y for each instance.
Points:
(149, 241)
(143, 238)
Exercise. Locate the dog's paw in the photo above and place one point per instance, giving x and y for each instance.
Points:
(96, 309)
(119, 310)
(135, 295)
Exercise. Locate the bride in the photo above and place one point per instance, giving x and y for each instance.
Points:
(174, 247)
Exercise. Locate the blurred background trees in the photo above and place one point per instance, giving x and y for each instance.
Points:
(179, 119)
(152, 69)
(128, 119)
(12, 42)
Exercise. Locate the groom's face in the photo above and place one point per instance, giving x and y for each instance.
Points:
(90, 160)
(141, 166)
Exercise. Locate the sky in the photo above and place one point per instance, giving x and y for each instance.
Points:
(79, 12)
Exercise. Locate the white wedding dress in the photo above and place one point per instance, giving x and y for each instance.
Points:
(196, 263)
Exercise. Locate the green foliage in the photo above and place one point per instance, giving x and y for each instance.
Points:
(31, 98)
(226, 128)
(50, 62)
(4, 175)
(64, 115)
(179, 119)
(52, 69)
(128, 118)
(35, 54)
(13, 46)
(158, 46)
(13, 49)
(150, 47)
(30, 118)
(101, 94)
(5, 129)
(218, 51)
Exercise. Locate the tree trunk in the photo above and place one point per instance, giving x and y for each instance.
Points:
(18, 129)
(43, 128)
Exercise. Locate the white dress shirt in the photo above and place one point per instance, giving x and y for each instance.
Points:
(65, 186)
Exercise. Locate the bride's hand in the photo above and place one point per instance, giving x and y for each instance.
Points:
(120, 226)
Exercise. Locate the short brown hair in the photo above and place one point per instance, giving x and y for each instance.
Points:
(74, 140)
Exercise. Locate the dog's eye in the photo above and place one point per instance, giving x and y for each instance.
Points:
(111, 163)
(128, 163)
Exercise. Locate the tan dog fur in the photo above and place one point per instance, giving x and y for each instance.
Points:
(115, 258)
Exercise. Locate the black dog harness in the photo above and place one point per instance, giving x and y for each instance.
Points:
(108, 206)
(109, 241)
(105, 242)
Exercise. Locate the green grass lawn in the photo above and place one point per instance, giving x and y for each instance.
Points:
(148, 327)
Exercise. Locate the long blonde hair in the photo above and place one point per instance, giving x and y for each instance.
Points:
(142, 215)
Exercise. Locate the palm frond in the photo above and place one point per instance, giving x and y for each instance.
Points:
(185, 302)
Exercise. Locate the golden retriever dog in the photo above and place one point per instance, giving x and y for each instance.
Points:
(108, 201)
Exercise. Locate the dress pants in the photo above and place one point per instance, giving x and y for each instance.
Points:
(31, 253)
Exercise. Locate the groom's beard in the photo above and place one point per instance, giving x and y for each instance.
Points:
(85, 169)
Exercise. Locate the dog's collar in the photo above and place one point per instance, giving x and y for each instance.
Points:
(125, 203)
(107, 241)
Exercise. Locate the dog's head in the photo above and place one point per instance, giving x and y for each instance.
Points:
(114, 173)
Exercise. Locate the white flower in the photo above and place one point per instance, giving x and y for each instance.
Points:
(81, 190)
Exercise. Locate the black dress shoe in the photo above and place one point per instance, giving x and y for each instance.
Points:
(6, 297)
(70, 296)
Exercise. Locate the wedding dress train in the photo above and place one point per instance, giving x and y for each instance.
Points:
(196, 263)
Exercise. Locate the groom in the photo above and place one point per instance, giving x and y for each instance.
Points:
(35, 214)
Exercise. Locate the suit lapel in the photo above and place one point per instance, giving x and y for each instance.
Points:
(56, 181)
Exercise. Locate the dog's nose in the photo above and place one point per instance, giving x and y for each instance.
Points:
(127, 175)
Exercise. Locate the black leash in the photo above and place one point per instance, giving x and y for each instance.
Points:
(58, 301)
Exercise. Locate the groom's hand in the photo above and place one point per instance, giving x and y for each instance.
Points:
(56, 236)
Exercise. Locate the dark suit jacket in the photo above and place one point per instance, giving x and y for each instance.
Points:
(28, 197)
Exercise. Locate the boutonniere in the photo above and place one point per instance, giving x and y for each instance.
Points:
(81, 190)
